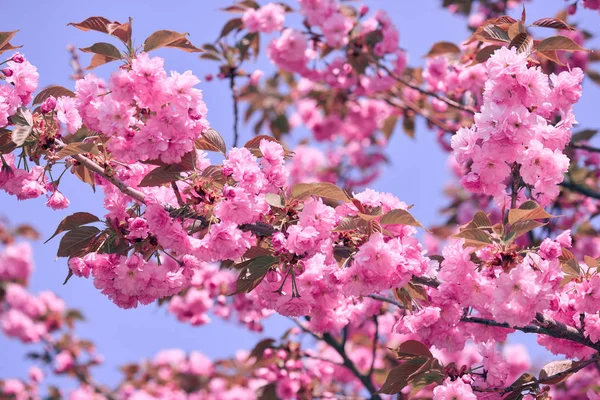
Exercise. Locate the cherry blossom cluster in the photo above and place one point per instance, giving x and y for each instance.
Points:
(512, 135)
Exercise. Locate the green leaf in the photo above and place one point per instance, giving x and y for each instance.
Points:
(253, 273)
(74, 221)
(320, 189)
(76, 241)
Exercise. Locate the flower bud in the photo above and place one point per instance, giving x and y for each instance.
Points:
(18, 58)
(48, 105)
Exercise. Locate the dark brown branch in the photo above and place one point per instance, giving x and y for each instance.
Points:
(374, 351)
(235, 108)
(551, 378)
(347, 362)
(446, 100)
(92, 166)
(584, 190)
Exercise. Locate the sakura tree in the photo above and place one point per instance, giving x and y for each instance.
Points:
(381, 306)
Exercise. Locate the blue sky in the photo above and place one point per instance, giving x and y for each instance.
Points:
(416, 174)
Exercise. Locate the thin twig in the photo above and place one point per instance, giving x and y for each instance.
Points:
(235, 108)
(584, 190)
(375, 340)
(92, 166)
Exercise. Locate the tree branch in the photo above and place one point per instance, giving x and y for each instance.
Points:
(551, 378)
(92, 166)
(347, 362)
(584, 190)
(235, 108)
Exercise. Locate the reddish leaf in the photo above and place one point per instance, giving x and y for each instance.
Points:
(231, 25)
(54, 90)
(76, 241)
(485, 53)
(559, 43)
(99, 24)
(5, 37)
(443, 48)
(98, 60)
(173, 39)
(554, 23)
(320, 189)
(522, 42)
(211, 140)
(73, 221)
(104, 49)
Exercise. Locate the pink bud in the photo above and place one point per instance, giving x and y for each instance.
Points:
(221, 76)
(572, 9)
(208, 77)
(7, 72)
(48, 105)
(363, 10)
(18, 58)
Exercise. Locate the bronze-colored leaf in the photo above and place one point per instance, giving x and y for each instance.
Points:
(485, 53)
(85, 175)
(388, 125)
(522, 42)
(253, 273)
(398, 377)
(74, 221)
(98, 60)
(99, 24)
(518, 214)
(440, 48)
(559, 43)
(76, 241)
(550, 55)
(77, 148)
(231, 25)
(548, 371)
(475, 237)
(162, 175)
(23, 121)
(5, 37)
(320, 189)
(104, 49)
(412, 349)
(347, 224)
(554, 23)
(515, 29)
(53, 90)
(399, 217)
(165, 38)
(211, 140)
